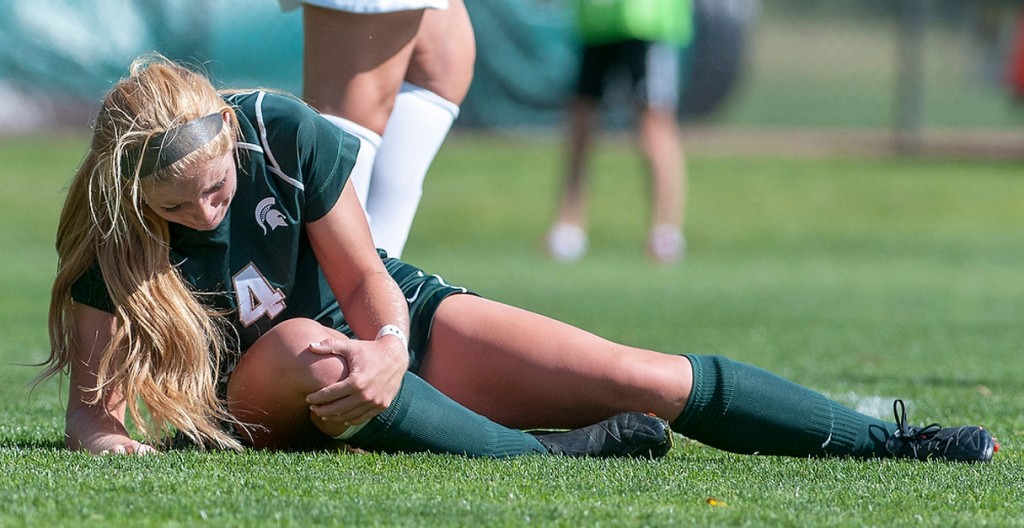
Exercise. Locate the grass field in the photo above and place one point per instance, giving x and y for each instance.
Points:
(866, 279)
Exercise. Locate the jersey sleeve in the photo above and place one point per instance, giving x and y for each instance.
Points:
(90, 290)
(322, 154)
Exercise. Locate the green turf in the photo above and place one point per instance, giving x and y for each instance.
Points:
(864, 279)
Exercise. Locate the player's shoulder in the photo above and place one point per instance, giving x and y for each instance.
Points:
(268, 104)
(276, 116)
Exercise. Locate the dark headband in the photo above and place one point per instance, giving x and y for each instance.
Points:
(164, 149)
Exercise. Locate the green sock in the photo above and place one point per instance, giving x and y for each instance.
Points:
(422, 419)
(744, 409)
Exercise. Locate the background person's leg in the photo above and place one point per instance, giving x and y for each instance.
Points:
(369, 145)
(439, 73)
(567, 239)
(354, 64)
(661, 143)
(354, 67)
(417, 128)
(656, 77)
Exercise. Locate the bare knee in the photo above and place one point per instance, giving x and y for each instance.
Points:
(283, 355)
(269, 386)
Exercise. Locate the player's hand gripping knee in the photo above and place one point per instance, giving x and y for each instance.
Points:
(115, 444)
(375, 370)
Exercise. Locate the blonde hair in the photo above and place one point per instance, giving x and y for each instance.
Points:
(168, 344)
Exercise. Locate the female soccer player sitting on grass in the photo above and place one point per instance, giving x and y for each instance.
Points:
(216, 266)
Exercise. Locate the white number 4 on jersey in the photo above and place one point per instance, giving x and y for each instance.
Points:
(256, 296)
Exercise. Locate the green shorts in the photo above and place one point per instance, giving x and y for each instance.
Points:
(424, 294)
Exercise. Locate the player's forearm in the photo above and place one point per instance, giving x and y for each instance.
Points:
(376, 302)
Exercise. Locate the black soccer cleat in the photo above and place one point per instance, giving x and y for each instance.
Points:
(967, 443)
(633, 434)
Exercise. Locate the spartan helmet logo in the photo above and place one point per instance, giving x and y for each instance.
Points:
(266, 215)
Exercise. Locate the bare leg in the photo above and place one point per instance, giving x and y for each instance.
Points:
(439, 74)
(567, 238)
(269, 387)
(581, 123)
(525, 370)
(662, 145)
(354, 64)
(445, 53)
(354, 69)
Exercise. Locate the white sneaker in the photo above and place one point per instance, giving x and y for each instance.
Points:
(666, 244)
(567, 242)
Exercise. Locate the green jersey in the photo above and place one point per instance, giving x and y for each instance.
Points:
(606, 21)
(258, 264)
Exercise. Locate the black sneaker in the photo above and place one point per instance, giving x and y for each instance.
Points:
(968, 443)
(634, 435)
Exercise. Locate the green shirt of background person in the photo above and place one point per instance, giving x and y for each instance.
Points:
(600, 21)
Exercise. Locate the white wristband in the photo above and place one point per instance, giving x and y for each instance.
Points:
(393, 330)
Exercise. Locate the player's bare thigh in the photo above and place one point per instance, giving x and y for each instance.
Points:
(526, 370)
(269, 386)
(445, 52)
(354, 63)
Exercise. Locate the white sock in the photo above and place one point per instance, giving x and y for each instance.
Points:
(369, 144)
(418, 125)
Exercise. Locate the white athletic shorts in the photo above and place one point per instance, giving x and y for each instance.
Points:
(367, 6)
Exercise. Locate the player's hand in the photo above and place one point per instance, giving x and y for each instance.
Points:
(116, 444)
(375, 371)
